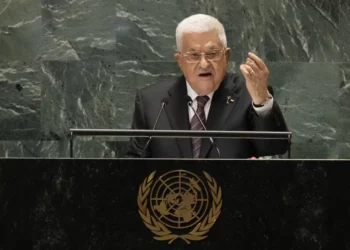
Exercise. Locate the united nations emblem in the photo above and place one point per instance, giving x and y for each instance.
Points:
(179, 205)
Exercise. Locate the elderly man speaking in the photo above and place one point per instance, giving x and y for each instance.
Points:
(207, 95)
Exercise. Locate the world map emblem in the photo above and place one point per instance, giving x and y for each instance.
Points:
(179, 205)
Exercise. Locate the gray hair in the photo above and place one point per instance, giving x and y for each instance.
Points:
(197, 24)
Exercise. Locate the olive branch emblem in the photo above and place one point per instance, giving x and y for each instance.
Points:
(161, 231)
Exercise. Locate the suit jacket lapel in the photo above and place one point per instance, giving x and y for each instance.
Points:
(223, 103)
(177, 113)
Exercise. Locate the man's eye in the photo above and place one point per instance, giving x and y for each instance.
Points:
(194, 54)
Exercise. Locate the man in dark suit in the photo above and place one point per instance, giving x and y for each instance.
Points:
(222, 101)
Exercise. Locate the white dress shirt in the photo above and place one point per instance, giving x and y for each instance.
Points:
(261, 111)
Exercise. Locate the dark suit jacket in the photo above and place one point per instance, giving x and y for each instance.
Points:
(239, 116)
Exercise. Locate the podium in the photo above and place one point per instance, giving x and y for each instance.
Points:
(174, 204)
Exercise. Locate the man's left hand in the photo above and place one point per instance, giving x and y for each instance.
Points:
(256, 73)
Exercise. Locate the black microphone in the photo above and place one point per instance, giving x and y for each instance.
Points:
(189, 103)
(164, 102)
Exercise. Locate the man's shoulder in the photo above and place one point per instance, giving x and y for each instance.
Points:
(161, 87)
(235, 81)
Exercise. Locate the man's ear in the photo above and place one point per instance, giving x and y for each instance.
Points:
(227, 54)
(178, 58)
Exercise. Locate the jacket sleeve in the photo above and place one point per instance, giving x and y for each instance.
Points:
(137, 144)
(275, 122)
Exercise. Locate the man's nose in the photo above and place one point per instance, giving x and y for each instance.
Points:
(203, 62)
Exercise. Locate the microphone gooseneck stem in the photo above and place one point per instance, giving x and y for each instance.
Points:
(155, 125)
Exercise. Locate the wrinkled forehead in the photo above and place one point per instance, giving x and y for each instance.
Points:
(201, 41)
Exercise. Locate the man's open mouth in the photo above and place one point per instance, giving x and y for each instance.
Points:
(205, 74)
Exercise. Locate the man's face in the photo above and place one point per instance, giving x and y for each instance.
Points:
(205, 75)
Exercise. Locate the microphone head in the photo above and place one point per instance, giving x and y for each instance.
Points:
(164, 100)
(188, 99)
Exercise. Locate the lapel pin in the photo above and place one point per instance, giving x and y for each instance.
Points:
(229, 100)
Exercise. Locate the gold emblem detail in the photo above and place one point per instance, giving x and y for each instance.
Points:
(177, 201)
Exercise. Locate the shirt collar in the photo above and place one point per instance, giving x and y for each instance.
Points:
(193, 93)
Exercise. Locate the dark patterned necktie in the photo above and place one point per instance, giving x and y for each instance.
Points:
(197, 125)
